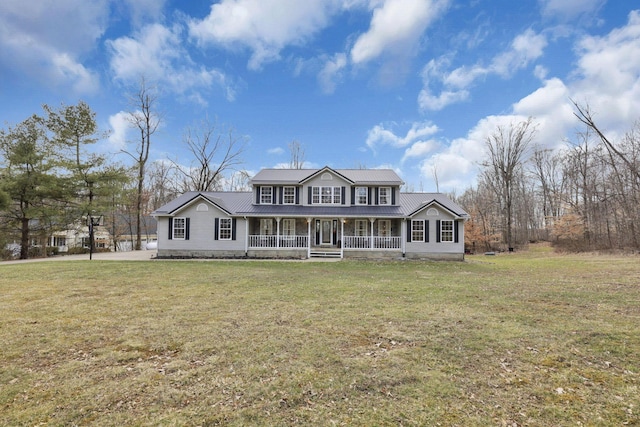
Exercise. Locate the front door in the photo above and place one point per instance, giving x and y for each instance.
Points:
(326, 234)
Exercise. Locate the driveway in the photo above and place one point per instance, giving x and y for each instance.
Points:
(102, 256)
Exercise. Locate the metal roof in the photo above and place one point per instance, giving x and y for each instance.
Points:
(357, 176)
(241, 204)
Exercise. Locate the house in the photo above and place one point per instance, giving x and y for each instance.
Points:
(303, 213)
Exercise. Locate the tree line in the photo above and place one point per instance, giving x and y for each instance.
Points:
(583, 196)
(52, 178)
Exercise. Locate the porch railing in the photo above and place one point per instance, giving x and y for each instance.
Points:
(264, 241)
(364, 242)
(301, 241)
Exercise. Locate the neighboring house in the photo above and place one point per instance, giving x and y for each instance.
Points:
(77, 236)
(303, 213)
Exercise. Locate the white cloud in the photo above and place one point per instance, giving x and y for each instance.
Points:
(379, 135)
(38, 41)
(331, 73)
(145, 10)
(265, 27)
(396, 26)
(420, 149)
(608, 74)
(157, 53)
(567, 9)
(120, 127)
(276, 151)
(524, 49)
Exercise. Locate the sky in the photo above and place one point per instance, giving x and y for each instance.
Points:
(412, 85)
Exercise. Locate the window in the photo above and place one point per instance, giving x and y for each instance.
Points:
(417, 230)
(179, 227)
(288, 227)
(289, 195)
(384, 228)
(384, 195)
(361, 227)
(224, 229)
(362, 195)
(326, 195)
(59, 241)
(446, 231)
(266, 195)
(266, 226)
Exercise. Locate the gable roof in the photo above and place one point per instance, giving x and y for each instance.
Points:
(413, 203)
(241, 204)
(353, 176)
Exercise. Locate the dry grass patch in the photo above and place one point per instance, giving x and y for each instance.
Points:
(525, 339)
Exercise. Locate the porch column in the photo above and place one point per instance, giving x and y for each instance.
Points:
(309, 220)
(371, 237)
(246, 236)
(278, 231)
(342, 220)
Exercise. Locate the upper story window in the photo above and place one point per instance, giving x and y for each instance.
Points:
(384, 195)
(266, 195)
(446, 231)
(362, 195)
(326, 195)
(289, 195)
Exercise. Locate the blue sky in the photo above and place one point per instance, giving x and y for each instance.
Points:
(413, 85)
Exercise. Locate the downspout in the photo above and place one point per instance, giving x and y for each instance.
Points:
(403, 237)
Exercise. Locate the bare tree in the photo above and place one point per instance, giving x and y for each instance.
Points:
(507, 148)
(214, 154)
(297, 155)
(145, 118)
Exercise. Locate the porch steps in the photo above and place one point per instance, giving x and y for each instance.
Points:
(324, 253)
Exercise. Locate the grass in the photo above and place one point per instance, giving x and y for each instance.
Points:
(522, 339)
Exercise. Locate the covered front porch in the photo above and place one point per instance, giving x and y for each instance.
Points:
(326, 234)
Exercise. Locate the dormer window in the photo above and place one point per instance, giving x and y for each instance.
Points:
(266, 195)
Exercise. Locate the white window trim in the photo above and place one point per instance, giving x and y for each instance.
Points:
(266, 226)
(417, 221)
(442, 231)
(366, 196)
(183, 228)
(263, 195)
(380, 228)
(288, 231)
(334, 195)
(387, 196)
(292, 195)
(226, 229)
(364, 229)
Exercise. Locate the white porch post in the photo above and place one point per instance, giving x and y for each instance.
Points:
(278, 231)
(246, 236)
(371, 237)
(309, 237)
(342, 237)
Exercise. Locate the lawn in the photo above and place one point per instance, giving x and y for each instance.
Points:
(521, 339)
